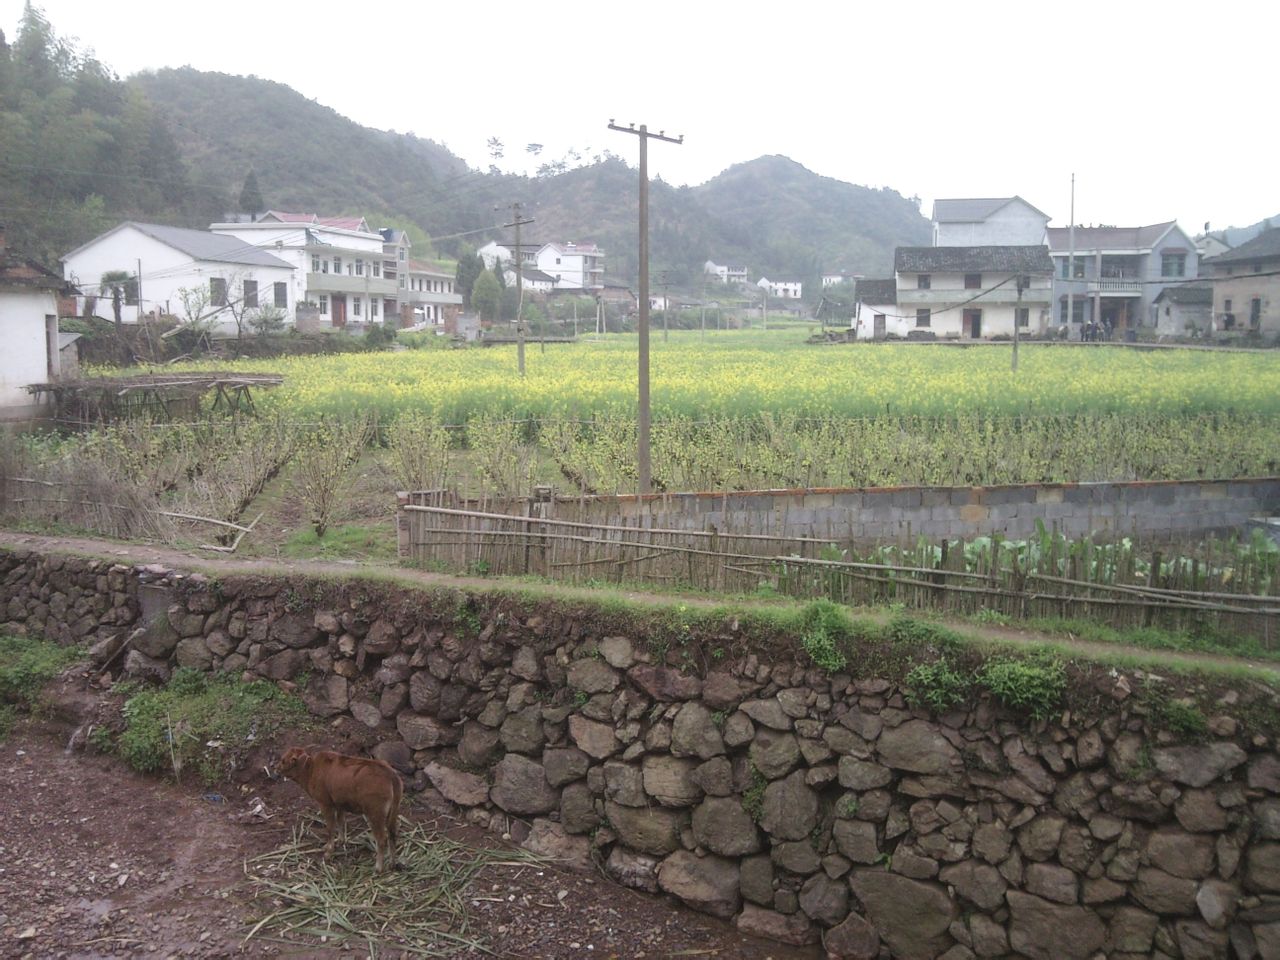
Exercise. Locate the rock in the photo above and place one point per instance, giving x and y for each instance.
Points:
(722, 826)
(457, 786)
(148, 669)
(667, 779)
(193, 653)
(595, 739)
(1101, 890)
(1264, 938)
(393, 700)
(757, 879)
(284, 665)
(693, 734)
(520, 786)
(862, 774)
(1198, 811)
(1038, 839)
(382, 638)
(991, 841)
(1090, 750)
(721, 691)
(911, 863)
(1262, 867)
(738, 729)
(564, 765)
(919, 747)
(106, 648)
(989, 938)
(798, 857)
(768, 713)
(329, 695)
(521, 732)
(663, 683)
(394, 669)
(790, 809)
(479, 744)
(421, 732)
(1041, 930)
(396, 753)
(424, 695)
(157, 639)
(1264, 773)
(326, 621)
(774, 753)
(911, 916)
(824, 899)
(549, 839)
(1200, 942)
(1131, 930)
(624, 784)
(708, 884)
(633, 870)
(1266, 815)
(651, 830)
(1164, 893)
(853, 939)
(793, 928)
(1052, 882)
(715, 777)
(1199, 765)
(617, 652)
(979, 883)
(296, 630)
(1181, 854)
(1217, 901)
(592, 676)
(366, 713)
(856, 839)
(578, 808)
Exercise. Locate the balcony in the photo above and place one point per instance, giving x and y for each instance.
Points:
(1116, 287)
(348, 283)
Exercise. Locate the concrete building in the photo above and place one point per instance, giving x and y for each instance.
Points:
(29, 326)
(974, 293)
(1246, 285)
(1184, 310)
(787, 289)
(835, 279)
(429, 296)
(987, 221)
(173, 270)
(875, 310)
(1118, 272)
(725, 273)
(575, 266)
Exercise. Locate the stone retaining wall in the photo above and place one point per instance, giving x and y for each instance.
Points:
(800, 805)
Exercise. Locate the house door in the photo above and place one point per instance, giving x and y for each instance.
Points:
(972, 324)
(877, 326)
(339, 310)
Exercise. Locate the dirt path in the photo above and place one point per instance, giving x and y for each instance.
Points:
(97, 861)
(134, 553)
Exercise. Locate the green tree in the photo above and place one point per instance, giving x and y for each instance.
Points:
(250, 195)
(470, 266)
(499, 273)
(486, 296)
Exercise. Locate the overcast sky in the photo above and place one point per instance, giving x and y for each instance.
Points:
(1163, 110)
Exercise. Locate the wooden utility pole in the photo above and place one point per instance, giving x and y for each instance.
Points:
(518, 221)
(642, 421)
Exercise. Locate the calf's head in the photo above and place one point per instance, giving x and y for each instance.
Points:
(294, 762)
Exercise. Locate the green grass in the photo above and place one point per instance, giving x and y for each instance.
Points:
(350, 541)
(26, 665)
(1155, 638)
(203, 723)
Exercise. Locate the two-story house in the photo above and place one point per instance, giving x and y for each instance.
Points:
(429, 296)
(172, 270)
(1246, 285)
(1116, 273)
(725, 273)
(974, 292)
(576, 266)
(788, 289)
(987, 222)
(340, 263)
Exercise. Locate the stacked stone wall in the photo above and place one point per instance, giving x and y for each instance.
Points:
(799, 805)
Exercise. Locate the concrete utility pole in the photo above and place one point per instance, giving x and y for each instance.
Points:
(518, 221)
(642, 424)
(1023, 282)
(1071, 260)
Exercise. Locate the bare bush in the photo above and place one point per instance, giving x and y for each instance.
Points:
(419, 452)
(322, 474)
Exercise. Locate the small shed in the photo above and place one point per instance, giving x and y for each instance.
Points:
(68, 355)
(1184, 309)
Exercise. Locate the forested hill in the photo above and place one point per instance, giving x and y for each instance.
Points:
(82, 150)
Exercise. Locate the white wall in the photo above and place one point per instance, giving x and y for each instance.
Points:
(570, 269)
(24, 359)
(1014, 224)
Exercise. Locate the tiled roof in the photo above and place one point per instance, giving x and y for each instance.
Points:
(342, 223)
(537, 276)
(16, 271)
(1109, 238)
(203, 245)
(435, 269)
(1264, 246)
(876, 291)
(1187, 294)
(994, 259)
(972, 209)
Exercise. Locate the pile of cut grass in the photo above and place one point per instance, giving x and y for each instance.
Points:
(421, 908)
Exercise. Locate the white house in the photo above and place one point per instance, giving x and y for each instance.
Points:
(430, 293)
(782, 289)
(988, 221)
(725, 273)
(533, 279)
(974, 292)
(29, 327)
(875, 310)
(350, 272)
(225, 274)
(835, 279)
(574, 265)
(493, 251)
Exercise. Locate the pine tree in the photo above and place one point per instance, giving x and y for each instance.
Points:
(250, 195)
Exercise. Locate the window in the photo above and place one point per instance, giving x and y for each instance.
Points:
(557, 261)
(280, 292)
(373, 306)
(376, 268)
(324, 303)
(1173, 264)
(1226, 306)
(337, 264)
(923, 318)
(250, 293)
(1023, 315)
(355, 306)
(922, 281)
(402, 283)
(1257, 268)
(315, 263)
(973, 281)
(218, 291)
(359, 268)
(324, 266)
(1077, 310)
(401, 254)
(1255, 312)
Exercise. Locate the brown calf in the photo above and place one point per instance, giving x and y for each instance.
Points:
(343, 784)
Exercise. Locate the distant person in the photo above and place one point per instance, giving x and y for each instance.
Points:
(1106, 328)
